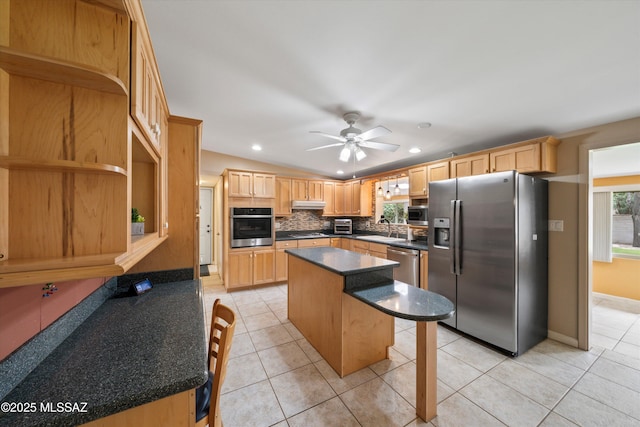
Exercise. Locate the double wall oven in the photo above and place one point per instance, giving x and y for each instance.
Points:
(251, 227)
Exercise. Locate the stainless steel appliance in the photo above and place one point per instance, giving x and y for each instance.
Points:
(251, 227)
(488, 255)
(342, 226)
(418, 215)
(409, 269)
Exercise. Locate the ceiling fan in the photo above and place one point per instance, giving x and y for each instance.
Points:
(354, 140)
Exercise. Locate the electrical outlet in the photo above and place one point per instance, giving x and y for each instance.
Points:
(278, 225)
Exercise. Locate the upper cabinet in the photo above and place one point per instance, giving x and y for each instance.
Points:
(283, 196)
(437, 171)
(147, 99)
(251, 185)
(70, 157)
(303, 189)
(536, 155)
(468, 166)
(418, 181)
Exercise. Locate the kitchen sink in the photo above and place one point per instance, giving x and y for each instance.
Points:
(384, 239)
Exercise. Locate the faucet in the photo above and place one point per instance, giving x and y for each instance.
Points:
(382, 221)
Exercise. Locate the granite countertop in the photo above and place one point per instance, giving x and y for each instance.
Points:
(405, 301)
(130, 351)
(341, 261)
(319, 234)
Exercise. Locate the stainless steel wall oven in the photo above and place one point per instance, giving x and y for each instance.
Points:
(251, 227)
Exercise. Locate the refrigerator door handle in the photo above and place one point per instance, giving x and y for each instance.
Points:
(457, 237)
(452, 258)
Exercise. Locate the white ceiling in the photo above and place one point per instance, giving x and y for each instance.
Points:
(484, 73)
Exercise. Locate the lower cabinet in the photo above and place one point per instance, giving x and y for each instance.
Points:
(424, 269)
(281, 258)
(251, 267)
(369, 248)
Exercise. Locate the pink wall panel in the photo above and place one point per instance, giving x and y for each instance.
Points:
(24, 312)
(19, 316)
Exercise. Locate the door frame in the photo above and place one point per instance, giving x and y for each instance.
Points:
(210, 219)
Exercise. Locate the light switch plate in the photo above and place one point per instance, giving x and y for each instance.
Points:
(556, 225)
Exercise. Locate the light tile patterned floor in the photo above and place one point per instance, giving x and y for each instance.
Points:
(275, 378)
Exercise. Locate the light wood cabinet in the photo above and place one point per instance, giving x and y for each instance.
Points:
(71, 157)
(424, 269)
(303, 189)
(147, 99)
(468, 166)
(250, 267)
(336, 242)
(283, 196)
(251, 185)
(521, 159)
(437, 172)
(339, 199)
(418, 181)
(282, 263)
(312, 243)
(357, 198)
(329, 198)
(535, 155)
(369, 248)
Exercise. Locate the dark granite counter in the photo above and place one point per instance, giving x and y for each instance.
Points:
(130, 351)
(373, 237)
(405, 301)
(341, 261)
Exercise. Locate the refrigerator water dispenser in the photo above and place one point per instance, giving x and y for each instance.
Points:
(441, 232)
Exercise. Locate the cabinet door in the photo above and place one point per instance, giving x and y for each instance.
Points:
(282, 263)
(336, 242)
(240, 184)
(264, 186)
(355, 198)
(366, 199)
(378, 250)
(240, 269)
(418, 181)
(348, 198)
(329, 198)
(299, 189)
(360, 246)
(437, 171)
(264, 266)
(283, 196)
(339, 198)
(315, 190)
(521, 159)
(424, 269)
(311, 243)
(476, 165)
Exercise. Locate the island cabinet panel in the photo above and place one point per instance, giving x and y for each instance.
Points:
(349, 334)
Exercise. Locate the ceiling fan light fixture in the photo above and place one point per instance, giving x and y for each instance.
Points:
(345, 153)
(360, 154)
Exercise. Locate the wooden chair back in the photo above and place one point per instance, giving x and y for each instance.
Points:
(223, 323)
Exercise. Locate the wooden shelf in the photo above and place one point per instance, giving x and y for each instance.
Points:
(17, 272)
(11, 162)
(54, 70)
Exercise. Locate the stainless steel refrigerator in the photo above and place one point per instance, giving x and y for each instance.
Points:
(488, 255)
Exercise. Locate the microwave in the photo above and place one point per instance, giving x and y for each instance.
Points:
(342, 226)
(251, 227)
(418, 215)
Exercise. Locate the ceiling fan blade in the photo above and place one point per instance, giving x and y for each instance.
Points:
(374, 133)
(325, 146)
(378, 145)
(339, 138)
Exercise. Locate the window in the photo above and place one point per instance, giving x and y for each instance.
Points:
(625, 225)
(392, 199)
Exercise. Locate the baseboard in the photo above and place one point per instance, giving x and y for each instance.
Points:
(573, 342)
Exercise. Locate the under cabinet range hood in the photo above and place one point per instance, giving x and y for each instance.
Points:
(307, 204)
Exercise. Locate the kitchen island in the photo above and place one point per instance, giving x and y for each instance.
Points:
(344, 303)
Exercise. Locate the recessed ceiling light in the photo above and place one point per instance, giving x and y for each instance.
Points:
(414, 150)
(256, 147)
(424, 125)
(340, 172)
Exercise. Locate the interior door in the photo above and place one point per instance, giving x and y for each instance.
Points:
(206, 221)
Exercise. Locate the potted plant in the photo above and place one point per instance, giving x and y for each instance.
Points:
(137, 223)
